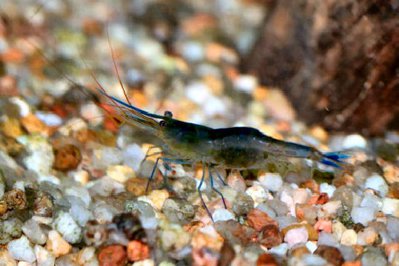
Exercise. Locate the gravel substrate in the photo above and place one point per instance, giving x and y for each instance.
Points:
(73, 180)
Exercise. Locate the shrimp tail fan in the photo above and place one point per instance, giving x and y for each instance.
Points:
(334, 159)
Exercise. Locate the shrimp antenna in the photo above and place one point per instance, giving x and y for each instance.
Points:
(116, 67)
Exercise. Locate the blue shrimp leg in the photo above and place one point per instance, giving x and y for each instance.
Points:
(220, 178)
(215, 189)
(200, 193)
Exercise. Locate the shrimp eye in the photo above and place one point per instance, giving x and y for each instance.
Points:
(162, 123)
(168, 114)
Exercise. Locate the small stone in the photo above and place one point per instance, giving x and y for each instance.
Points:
(371, 201)
(392, 227)
(3, 207)
(258, 194)
(390, 206)
(266, 259)
(113, 255)
(173, 237)
(6, 259)
(222, 215)
(354, 141)
(34, 125)
(373, 256)
(242, 204)
(34, 232)
(95, 233)
(102, 212)
(338, 229)
(246, 83)
(43, 256)
(271, 181)
(9, 229)
(362, 215)
(377, 183)
(330, 254)
(367, 237)
(259, 219)
(87, 257)
(67, 157)
(271, 236)
(120, 173)
(66, 225)
(79, 211)
(137, 250)
(56, 244)
(327, 239)
(296, 236)
(137, 186)
(133, 155)
(21, 249)
(158, 197)
(236, 181)
(328, 189)
(349, 237)
(43, 205)
(306, 212)
(323, 225)
(15, 199)
(178, 210)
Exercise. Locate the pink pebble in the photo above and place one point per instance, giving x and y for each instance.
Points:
(296, 235)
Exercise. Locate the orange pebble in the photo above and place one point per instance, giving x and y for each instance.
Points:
(137, 250)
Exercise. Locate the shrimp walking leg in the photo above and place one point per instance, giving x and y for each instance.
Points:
(215, 189)
(152, 173)
(220, 178)
(200, 193)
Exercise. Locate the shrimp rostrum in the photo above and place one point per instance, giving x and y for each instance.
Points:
(230, 148)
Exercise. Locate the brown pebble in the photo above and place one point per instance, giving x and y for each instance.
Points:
(11, 128)
(271, 236)
(330, 254)
(312, 185)
(113, 255)
(137, 250)
(3, 207)
(67, 157)
(43, 205)
(137, 186)
(394, 190)
(15, 199)
(258, 219)
(299, 251)
(266, 259)
(32, 124)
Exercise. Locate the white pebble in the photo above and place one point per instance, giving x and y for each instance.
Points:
(24, 108)
(332, 207)
(66, 225)
(280, 250)
(34, 232)
(192, 51)
(20, 249)
(245, 83)
(337, 230)
(50, 119)
(349, 237)
(311, 246)
(222, 215)
(92, 113)
(377, 183)
(327, 239)
(271, 181)
(103, 212)
(326, 188)
(390, 206)
(371, 201)
(362, 215)
(44, 257)
(198, 92)
(296, 236)
(81, 193)
(258, 194)
(354, 141)
(133, 155)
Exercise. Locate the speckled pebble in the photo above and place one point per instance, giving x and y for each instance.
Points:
(66, 225)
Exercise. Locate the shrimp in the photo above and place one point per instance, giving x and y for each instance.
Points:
(231, 148)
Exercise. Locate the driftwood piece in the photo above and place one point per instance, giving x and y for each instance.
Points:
(337, 61)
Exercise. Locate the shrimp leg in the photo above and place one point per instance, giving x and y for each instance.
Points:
(215, 189)
(220, 178)
(200, 193)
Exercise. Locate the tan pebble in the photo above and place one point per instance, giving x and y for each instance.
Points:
(158, 198)
(337, 230)
(200, 240)
(113, 255)
(137, 186)
(299, 251)
(32, 124)
(11, 128)
(349, 237)
(352, 263)
(56, 244)
(120, 173)
(137, 250)
(236, 181)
